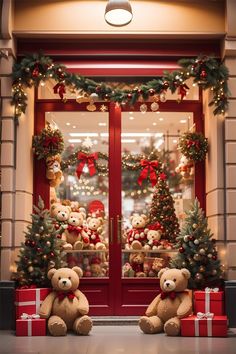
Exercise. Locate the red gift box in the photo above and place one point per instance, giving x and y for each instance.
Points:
(210, 300)
(193, 326)
(31, 327)
(29, 300)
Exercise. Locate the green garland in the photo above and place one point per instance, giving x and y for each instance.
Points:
(207, 73)
(194, 146)
(48, 143)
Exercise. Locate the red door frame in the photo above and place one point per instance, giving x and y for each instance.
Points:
(114, 296)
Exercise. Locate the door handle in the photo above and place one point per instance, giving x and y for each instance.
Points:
(118, 224)
(111, 231)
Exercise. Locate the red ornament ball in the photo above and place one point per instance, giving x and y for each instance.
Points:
(52, 254)
(129, 95)
(214, 258)
(32, 244)
(140, 91)
(181, 250)
(203, 74)
(151, 92)
(191, 238)
(27, 243)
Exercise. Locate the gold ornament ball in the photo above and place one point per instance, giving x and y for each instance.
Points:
(184, 264)
(202, 251)
(45, 256)
(196, 242)
(30, 269)
(214, 272)
(196, 257)
(209, 255)
(37, 235)
(48, 243)
(194, 226)
(202, 269)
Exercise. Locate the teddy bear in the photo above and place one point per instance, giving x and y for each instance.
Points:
(153, 237)
(172, 304)
(94, 230)
(54, 172)
(137, 236)
(127, 270)
(75, 236)
(136, 261)
(96, 267)
(60, 215)
(66, 307)
(185, 168)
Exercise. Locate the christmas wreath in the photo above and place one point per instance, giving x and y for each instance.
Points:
(193, 146)
(48, 143)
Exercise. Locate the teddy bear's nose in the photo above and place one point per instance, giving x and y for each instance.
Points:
(73, 220)
(64, 282)
(63, 214)
(167, 283)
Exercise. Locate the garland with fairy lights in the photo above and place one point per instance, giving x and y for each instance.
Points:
(193, 146)
(35, 69)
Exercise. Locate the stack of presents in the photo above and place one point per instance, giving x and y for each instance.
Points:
(209, 318)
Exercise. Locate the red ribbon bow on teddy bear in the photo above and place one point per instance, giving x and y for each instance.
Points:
(61, 295)
(170, 294)
(72, 228)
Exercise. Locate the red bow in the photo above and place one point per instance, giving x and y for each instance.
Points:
(86, 159)
(183, 90)
(72, 228)
(27, 287)
(194, 143)
(51, 140)
(61, 295)
(60, 89)
(148, 166)
(170, 294)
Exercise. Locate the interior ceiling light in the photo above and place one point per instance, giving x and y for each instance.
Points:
(118, 12)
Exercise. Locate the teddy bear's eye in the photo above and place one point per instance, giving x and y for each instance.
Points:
(164, 280)
(59, 278)
(174, 280)
(69, 278)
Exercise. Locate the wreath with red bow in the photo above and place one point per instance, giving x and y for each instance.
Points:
(194, 146)
(48, 143)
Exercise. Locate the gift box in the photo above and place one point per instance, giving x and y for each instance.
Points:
(203, 325)
(30, 325)
(29, 300)
(209, 300)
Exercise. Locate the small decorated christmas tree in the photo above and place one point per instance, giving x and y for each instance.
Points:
(41, 250)
(197, 251)
(162, 209)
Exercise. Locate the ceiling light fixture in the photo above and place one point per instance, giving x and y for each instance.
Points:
(118, 12)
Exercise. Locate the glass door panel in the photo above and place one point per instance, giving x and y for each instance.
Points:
(84, 187)
(151, 136)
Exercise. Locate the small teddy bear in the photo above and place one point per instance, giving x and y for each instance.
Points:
(94, 230)
(75, 235)
(157, 265)
(60, 213)
(53, 172)
(127, 270)
(172, 304)
(137, 236)
(185, 168)
(66, 306)
(136, 261)
(96, 267)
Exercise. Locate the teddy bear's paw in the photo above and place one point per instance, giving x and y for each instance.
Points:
(57, 328)
(171, 328)
(67, 247)
(146, 325)
(136, 245)
(83, 325)
(78, 245)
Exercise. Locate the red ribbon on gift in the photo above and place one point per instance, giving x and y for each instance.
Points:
(148, 166)
(60, 89)
(86, 159)
(27, 287)
(182, 90)
(52, 140)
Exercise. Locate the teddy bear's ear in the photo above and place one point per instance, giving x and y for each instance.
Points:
(78, 271)
(186, 273)
(101, 220)
(162, 271)
(51, 272)
(68, 208)
(144, 216)
(89, 218)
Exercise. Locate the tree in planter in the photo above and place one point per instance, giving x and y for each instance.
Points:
(41, 250)
(162, 209)
(197, 251)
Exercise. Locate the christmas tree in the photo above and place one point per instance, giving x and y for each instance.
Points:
(197, 251)
(41, 250)
(162, 209)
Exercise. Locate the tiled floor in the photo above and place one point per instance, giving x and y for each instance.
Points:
(116, 340)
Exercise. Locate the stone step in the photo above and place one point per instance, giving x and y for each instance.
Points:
(115, 320)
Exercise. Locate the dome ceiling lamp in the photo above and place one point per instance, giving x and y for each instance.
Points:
(118, 13)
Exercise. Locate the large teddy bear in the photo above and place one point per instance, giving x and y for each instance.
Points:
(75, 235)
(137, 235)
(172, 304)
(66, 306)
